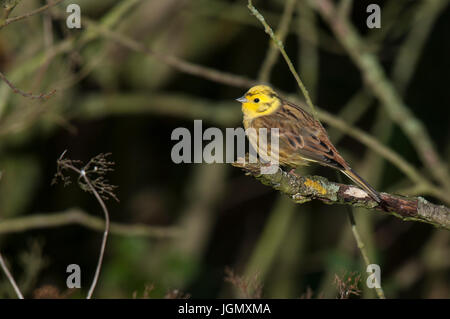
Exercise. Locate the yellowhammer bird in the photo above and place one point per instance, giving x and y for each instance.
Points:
(301, 137)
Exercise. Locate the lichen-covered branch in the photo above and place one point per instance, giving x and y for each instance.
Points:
(302, 189)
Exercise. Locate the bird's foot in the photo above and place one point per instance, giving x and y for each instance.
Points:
(292, 172)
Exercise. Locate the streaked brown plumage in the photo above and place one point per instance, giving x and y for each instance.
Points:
(301, 137)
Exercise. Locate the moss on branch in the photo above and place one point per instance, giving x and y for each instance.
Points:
(303, 189)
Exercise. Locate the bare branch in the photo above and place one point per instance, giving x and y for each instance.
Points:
(6, 270)
(173, 61)
(361, 246)
(75, 216)
(10, 277)
(96, 169)
(29, 14)
(272, 54)
(280, 46)
(41, 96)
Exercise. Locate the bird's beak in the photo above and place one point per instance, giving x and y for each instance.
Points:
(242, 99)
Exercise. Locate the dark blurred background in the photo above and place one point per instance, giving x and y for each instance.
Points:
(211, 217)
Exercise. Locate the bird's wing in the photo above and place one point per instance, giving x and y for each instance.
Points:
(301, 136)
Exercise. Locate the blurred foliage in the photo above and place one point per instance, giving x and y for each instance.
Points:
(113, 99)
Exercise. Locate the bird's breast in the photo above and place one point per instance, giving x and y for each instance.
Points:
(247, 122)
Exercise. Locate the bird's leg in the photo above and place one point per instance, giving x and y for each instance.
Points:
(269, 168)
(292, 172)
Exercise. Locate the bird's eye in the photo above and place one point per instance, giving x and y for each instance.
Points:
(256, 100)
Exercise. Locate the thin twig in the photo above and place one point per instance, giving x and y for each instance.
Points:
(280, 46)
(99, 186)
(272, 54)
(8, 7)
(105, 236)
(359, 242)
(10, 277)
(6, 270)
(173, 61)
(41, 96)
(234, 13)
(362, 249)
(75, 216)
(29, 14)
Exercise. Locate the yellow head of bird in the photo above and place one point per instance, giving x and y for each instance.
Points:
(258, 101)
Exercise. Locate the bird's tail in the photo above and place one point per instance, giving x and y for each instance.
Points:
(362, 183)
